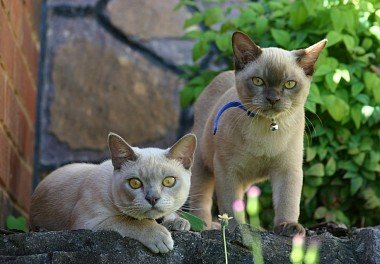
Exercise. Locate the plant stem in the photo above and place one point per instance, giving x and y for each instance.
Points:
(225, 244)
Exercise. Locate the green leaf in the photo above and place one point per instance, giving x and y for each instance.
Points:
(373, 201)
(333, 37)
(340, 216)
(186, 96)
(375, 30)
(350, 175)
(223, 42)
(310, 153)
(359, 159)
(323, 70)
(366, 144)
(337, 108)
(337, 19)
(367, 43)
(200, 49)
(195, 19)
(348, 166)
(316, 170)
(372, 83)
(213, 15)
(314, 95)
(320, 212)
(298, 14)
(314, 181)
(193, 34)
(356, 88)
(331, 82)
(308, 192)
(356, 183)
(197, 224)
(363, 98)
(257, 7)
(349, 42)
(356, 114)
(18, 223)
(282, 37)
(261, 25)
(330, 167)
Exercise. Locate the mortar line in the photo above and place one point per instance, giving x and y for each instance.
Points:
(8, 135)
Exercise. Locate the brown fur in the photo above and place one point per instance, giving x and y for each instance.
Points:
(244, 150)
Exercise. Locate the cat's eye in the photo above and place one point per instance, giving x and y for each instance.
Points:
(169, 181)
(135, 183)
(289, 84)
(257, 81)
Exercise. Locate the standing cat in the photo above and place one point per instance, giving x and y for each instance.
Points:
(125, 194)
(272, 86)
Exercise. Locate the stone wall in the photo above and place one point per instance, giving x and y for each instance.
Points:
(84, 246)
(19, 45)
(109, 65)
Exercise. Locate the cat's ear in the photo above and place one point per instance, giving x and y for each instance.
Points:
(245, 50)
(306, 58)
(183, 150)
(121, 151)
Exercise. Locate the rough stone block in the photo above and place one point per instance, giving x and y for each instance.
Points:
(94, 84)
(83, 246)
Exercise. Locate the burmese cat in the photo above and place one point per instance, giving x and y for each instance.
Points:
(274, 83)
(125, 194)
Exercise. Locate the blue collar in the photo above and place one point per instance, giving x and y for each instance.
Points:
(228, 105)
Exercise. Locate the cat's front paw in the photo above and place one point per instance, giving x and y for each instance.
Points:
(289, 229)
(177, 224)
(158, 239)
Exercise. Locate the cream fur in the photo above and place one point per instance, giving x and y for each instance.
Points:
(97, 197)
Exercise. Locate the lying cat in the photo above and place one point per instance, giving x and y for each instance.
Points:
(261, 137)
(125, 194)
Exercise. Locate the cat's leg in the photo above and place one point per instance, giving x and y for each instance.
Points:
(176, 223)
(228, 189)
(147, 231)
(286, 190)
(201, 191)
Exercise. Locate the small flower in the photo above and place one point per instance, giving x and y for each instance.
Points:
(224, 218)
(238, 206)
(254, 191)
(298, 240)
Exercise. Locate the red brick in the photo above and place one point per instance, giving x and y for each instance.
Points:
(20, 181)
(5, 149)
(11, 109)
(17, 71)
(25, 139)
(28, 97)
(25, 188)
(29, 147)
(5, 6)
(2, 95)
(7, 46)
(17, 18)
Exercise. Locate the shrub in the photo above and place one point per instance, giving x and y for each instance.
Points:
(342, 150)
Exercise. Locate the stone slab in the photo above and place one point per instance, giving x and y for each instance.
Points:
(94, 84)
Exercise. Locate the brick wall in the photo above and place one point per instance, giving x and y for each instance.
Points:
(19, 20)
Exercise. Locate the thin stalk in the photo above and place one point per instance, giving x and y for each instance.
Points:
(225, 244)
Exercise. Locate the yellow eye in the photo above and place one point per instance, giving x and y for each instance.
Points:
(257, 81)
(135, 183)
(169, 181)
(289, 84)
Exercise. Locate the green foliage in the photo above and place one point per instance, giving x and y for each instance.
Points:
(342, 150)
(197, 224)
(18, 223)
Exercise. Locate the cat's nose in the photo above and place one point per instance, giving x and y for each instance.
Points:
(152, 199)
(272, 100)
